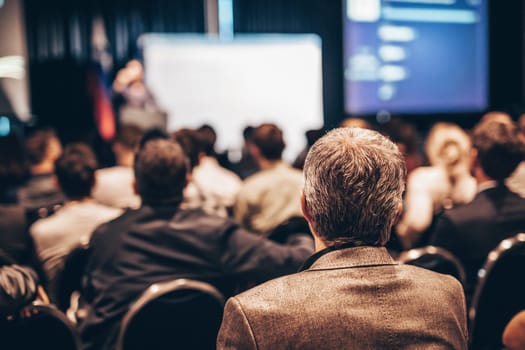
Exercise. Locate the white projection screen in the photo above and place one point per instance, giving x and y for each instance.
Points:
(233, 83)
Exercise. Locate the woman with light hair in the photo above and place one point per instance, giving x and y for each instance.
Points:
(445, 183)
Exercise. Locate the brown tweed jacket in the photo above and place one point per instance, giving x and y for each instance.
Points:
(351, 298)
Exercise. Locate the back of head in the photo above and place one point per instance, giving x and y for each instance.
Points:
(42, 145)
(129, 137)
(208, 138)
(75, 170)
(269, 140)
(448, 145)
(354, 182)
(191, 144)
(160, 172)
(500, 147)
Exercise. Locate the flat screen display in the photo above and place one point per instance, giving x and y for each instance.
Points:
(415, 56)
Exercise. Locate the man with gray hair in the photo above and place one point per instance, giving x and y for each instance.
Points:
(350, 294)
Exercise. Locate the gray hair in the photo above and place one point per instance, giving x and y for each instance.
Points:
(354, 183)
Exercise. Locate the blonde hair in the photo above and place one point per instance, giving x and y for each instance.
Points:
(449, 146)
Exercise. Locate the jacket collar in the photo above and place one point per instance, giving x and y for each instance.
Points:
(346, 256)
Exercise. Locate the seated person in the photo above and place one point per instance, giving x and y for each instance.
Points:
(472, 230)
(442, 185)
(351, 294)
(270, 196)
(41, 195)
(162, 241)
(114, 185)
(71, 226)
(216, 183)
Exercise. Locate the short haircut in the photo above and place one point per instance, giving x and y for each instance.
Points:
(191, 144)
(500, 147)
(269, 140)
(160, 172)
(354, 183)
(129, 136)
(208, 138)
(37, 145)
(75, 170)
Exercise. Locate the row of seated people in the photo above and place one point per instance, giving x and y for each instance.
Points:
(76, 159)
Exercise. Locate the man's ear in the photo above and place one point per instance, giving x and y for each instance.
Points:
(304, 208)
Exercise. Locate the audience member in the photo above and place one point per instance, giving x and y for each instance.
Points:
(162, 241)
(514, 333)
(311, 137)
(471, 231)
(247, 165)
(352, 294)
(71, 226)
(40, 195)
(442, 185)
(114, 185)
(193, 195)
(269, 197)
(406, 137)
(15, 240)
(217, 184)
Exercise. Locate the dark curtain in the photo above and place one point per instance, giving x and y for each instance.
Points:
(322, 17)
(60, 49)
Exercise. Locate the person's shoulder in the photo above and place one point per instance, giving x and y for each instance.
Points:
(197, 218)
(433, 281)
(277, 292)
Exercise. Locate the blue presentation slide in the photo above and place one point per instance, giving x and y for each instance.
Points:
(415, 56)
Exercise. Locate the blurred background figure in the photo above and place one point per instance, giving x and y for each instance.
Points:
(40, 194)
(406, 137)
(247, 165)
(71, 226)
(114, 185)
(134, 102)
(445, 183)
(311, 136)
(216, 183)
(15, 241)
(271, 196)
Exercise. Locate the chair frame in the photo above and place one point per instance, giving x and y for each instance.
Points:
(503, 248)
(416, 253)
(158, 289)
(38, 307)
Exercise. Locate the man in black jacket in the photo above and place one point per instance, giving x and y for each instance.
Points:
(471, 231)
(161, 241)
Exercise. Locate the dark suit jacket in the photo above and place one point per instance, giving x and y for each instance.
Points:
(153, 244)
(352, 298)
(471, 231)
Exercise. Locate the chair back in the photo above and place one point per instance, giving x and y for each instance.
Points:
(43, 327)
(436, 259)
(181, 314)
(499, 293)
